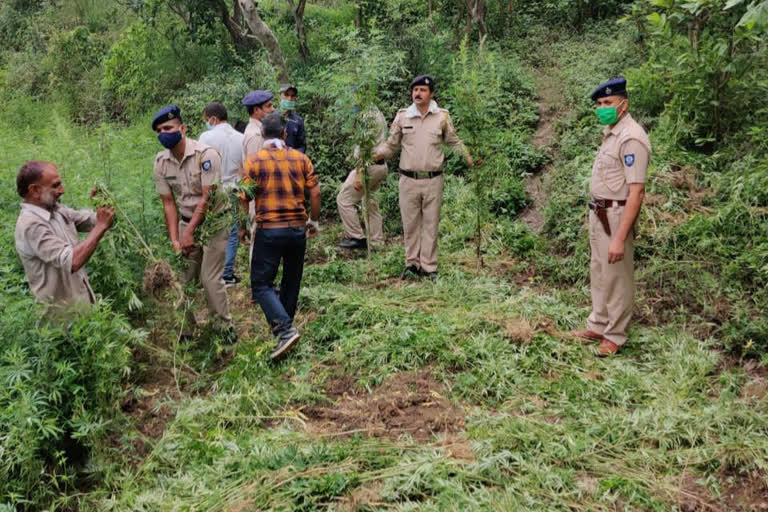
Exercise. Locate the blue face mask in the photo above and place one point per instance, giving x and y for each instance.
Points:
(169, 139)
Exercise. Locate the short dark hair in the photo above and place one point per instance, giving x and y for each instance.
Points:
(29, 174)
(217, 110)
(273, 125)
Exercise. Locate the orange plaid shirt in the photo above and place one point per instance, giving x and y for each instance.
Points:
(281, 177)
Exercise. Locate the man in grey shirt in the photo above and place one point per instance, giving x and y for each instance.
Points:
(46, 237)
(229, 143)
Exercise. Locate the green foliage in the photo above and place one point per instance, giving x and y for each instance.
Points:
(62, 384)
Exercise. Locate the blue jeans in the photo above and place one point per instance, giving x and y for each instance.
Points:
(229, 260)
(270, 247)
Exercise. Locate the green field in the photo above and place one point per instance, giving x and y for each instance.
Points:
(462, 394)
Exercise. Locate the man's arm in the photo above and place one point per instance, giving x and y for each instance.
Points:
(171, 220)
(631, 210)
(387, 148)
(451, 138)
(301, 136)
(85, 249)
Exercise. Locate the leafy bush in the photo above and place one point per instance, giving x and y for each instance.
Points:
(61, 385)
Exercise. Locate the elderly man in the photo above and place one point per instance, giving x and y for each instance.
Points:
(617, 188)
(421, 130)
(46, 237)
(281, 177)
(185, 173)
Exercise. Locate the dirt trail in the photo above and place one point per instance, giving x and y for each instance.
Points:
(550, 110)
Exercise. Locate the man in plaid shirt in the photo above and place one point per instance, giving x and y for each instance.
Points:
(278, 179)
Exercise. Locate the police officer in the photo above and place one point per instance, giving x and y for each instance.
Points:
(617, 188)
(184, 174)
(351, 193)
(421, 130)
(259, 104)
(296, 137)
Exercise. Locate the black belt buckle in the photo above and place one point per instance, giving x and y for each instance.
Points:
(592, 205)
(186, 219)
(379, 162)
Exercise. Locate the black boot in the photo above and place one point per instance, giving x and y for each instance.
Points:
(354, 243)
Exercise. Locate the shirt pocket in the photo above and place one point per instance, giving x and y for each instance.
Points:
(174, 182)
(195, 181)
(435, 136)
(611, 172)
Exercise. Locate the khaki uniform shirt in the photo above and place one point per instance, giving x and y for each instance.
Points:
(45, 242)
(253, 140)
(622, 159)
(200, 166)
(421, 138)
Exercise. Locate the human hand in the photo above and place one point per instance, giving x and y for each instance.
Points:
(615, 251)
(244, 236)
(187, 242)
(94, 191)
(358, 184)
(105, 216)
(312, 228)
(176, 246)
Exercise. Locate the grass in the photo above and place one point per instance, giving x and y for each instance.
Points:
(547, 425)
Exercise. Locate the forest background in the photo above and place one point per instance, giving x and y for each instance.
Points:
(498, 407)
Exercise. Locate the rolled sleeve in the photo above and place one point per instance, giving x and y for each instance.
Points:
(310, 178)
(634, 158)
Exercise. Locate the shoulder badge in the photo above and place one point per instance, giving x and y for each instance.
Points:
(629, 160)
(206, 165)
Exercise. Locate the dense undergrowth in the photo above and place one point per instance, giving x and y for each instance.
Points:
(112, 411)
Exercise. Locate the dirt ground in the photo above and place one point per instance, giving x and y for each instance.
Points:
(406, 403)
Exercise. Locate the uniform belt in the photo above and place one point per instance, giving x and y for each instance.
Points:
(186, 219)
(281, 224)
(597, 204)
(421, 175)
(379, 162)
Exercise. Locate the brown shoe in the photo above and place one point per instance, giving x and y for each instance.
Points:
(588, 334)
(607, 348)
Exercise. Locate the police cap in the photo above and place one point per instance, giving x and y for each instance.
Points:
(257, 97)
(612, 87)
(166, 114)
(423, 80)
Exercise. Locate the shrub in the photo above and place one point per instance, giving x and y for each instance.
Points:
(61, 385)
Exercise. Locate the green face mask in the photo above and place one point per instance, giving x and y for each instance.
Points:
(287, 104)
(608, 115)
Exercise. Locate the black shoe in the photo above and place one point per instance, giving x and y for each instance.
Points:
(430, 275)
(354, 243)
(231, 281)
(285, 340)
(410, 272)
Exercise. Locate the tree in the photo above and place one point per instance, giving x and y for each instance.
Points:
(298, 15)
(266, 37)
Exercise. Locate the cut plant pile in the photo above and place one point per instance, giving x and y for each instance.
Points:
(406, 404)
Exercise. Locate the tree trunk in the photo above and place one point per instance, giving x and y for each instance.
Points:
(298, 16)
(266, 37)
(233, 25)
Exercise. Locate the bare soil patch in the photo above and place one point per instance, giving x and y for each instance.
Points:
(744, 492)
(406, 403)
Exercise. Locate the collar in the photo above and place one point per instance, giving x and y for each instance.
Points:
(222, 126)
(274, 143)
(413, 110)
(618, 127)
(36, 210)
(255, 121)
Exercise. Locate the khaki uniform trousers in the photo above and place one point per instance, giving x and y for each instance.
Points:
(420, 202)
(207, 264)
(612, 285)
(348, 199)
